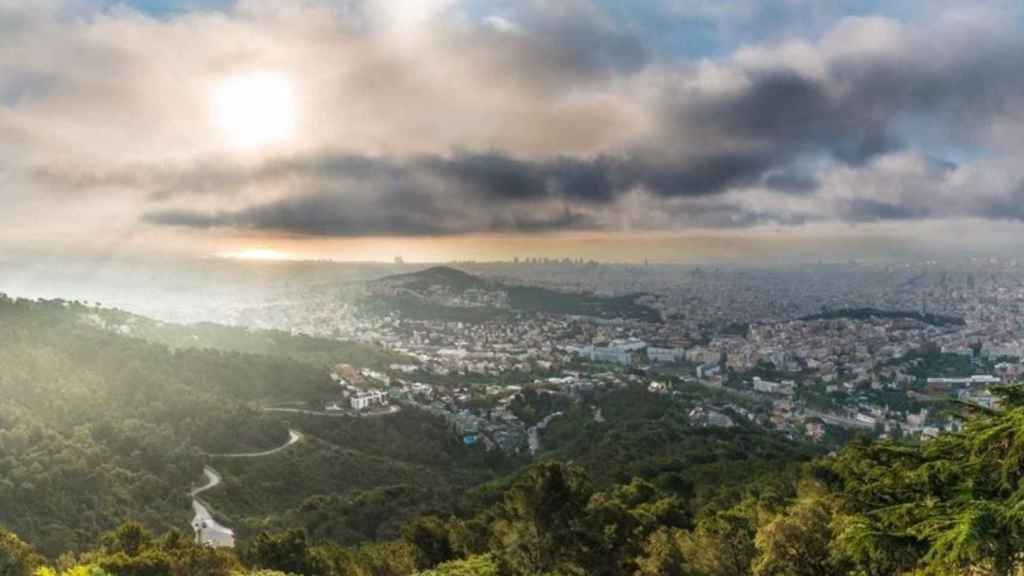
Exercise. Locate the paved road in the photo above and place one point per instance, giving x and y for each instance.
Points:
(208, 530)
(391, 410)
(293, 437)
(307, 412)
(837, 420)
(533, 434)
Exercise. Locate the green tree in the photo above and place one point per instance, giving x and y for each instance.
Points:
(722, 543)
(16, 557)
(430, 536)
(952, 505)
(540, 524)
(622, 519)
(147, 563)
(663, 555)
(130, 538)
(473, 566)
(284, 551)
(798, 543)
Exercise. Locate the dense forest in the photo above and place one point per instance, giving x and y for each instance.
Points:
(949, 506)
(96, 428)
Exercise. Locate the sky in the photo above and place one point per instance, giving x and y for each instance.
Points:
(487, 129)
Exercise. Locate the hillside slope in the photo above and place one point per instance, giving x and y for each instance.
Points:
(445, 293)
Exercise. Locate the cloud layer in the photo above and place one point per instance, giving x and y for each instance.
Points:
(436, 117)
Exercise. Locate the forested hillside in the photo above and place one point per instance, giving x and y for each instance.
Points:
(643, 435)
(320, 352)
(947, 507)
(357, 480)
(442, 293)
(97, 428)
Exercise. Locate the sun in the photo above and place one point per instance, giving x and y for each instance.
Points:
(255, 110)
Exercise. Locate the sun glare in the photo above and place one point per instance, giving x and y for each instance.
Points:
(257, 254)
(255, 110)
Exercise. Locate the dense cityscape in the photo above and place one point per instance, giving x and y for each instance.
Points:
(799, 353)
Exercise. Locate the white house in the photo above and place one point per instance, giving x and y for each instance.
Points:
(364, 400)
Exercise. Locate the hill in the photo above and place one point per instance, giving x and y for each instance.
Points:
(445, 293)
(437, 276)
(98, 427)
(319, 352)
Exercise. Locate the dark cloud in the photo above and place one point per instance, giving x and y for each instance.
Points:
(392, 213)
(784, 116)
(490, 175)
(971, 86)
(322, 214)
(869, 210)
(790, 180)
(721, 214)
(1010, 207)
(704, 176)
(598, 180)
(470, 193)
(482, 176)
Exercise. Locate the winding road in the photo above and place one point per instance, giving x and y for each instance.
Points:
(208, 530)
(293, 437)
(389, 411)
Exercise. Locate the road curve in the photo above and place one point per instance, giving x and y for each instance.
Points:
(208, 530)
(293, 437)
(388, 412)
(212, 480)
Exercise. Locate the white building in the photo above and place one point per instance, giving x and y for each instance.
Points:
(665, 355)
(866, 419)
(364, 400)
(766, 386)
(657, 387)
(708, 370)
(970, 380)
(609, 354)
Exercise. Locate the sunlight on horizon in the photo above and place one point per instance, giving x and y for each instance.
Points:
(262, 254)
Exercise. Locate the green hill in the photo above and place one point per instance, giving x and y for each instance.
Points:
(440, 293)
(98, 427)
